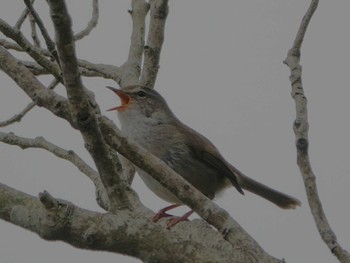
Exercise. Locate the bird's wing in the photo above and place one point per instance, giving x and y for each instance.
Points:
(203, 150)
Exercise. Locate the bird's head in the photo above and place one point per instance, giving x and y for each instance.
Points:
(139, 102)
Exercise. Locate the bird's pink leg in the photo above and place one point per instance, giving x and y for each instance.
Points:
(173, 221)
(161, 213)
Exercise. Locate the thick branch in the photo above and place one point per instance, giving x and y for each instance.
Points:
(108, 166)
(54, 219)
(301, 128)
(159, 13)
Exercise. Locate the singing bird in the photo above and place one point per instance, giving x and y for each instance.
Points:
(147, 120)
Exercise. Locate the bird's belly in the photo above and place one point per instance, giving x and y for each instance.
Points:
(157, 188)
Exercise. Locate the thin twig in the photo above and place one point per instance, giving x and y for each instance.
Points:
(71, 156)
(22, 17)
(34, 34)
(18, 117)
(91, 24)
(301, 128)
(49, 43)
(44, 97)
(35, 53)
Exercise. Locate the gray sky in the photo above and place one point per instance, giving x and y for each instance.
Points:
(222, 74)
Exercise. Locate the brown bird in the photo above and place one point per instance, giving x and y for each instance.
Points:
(146, 119)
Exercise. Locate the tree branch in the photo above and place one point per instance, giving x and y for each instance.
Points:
(22, 17)
(301, 128)
(34, 34)
(55, 219)
(83, 109)
(18, 117)
(35, 53)
(104, 70)
(131, 69)
(91, 24)
(159, 13)
(42, 96)
(70, 156)
(49, 43)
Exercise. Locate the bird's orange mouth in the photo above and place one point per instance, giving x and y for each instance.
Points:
(125, 99)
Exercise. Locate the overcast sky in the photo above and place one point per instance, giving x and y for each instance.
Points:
(221, 72)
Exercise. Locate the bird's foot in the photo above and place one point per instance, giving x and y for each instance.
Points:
(162, 213)
(177, 219)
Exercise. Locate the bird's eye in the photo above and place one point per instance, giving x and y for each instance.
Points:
(141, 94)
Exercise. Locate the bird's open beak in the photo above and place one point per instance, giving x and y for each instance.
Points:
(125, 99)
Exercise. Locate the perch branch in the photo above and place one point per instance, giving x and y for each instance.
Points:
(55, 219)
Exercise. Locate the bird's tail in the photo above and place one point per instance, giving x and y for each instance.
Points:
(280, 199)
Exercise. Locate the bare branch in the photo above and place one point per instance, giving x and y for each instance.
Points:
(106, 71)
(159, 13)
(131, 69)
(49, 43)
(42, 96)
(70, 156)
(22, 18)
(18, 117)
(81, 106)
(35, 53)
(9, 45)
(34, 34)
(92, 23)
(301, 128)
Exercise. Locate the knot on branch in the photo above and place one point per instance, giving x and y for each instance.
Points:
(83, 118)
(302, 144)
(90, 236)
(48, 201)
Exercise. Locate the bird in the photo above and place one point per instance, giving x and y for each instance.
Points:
(147, 120)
